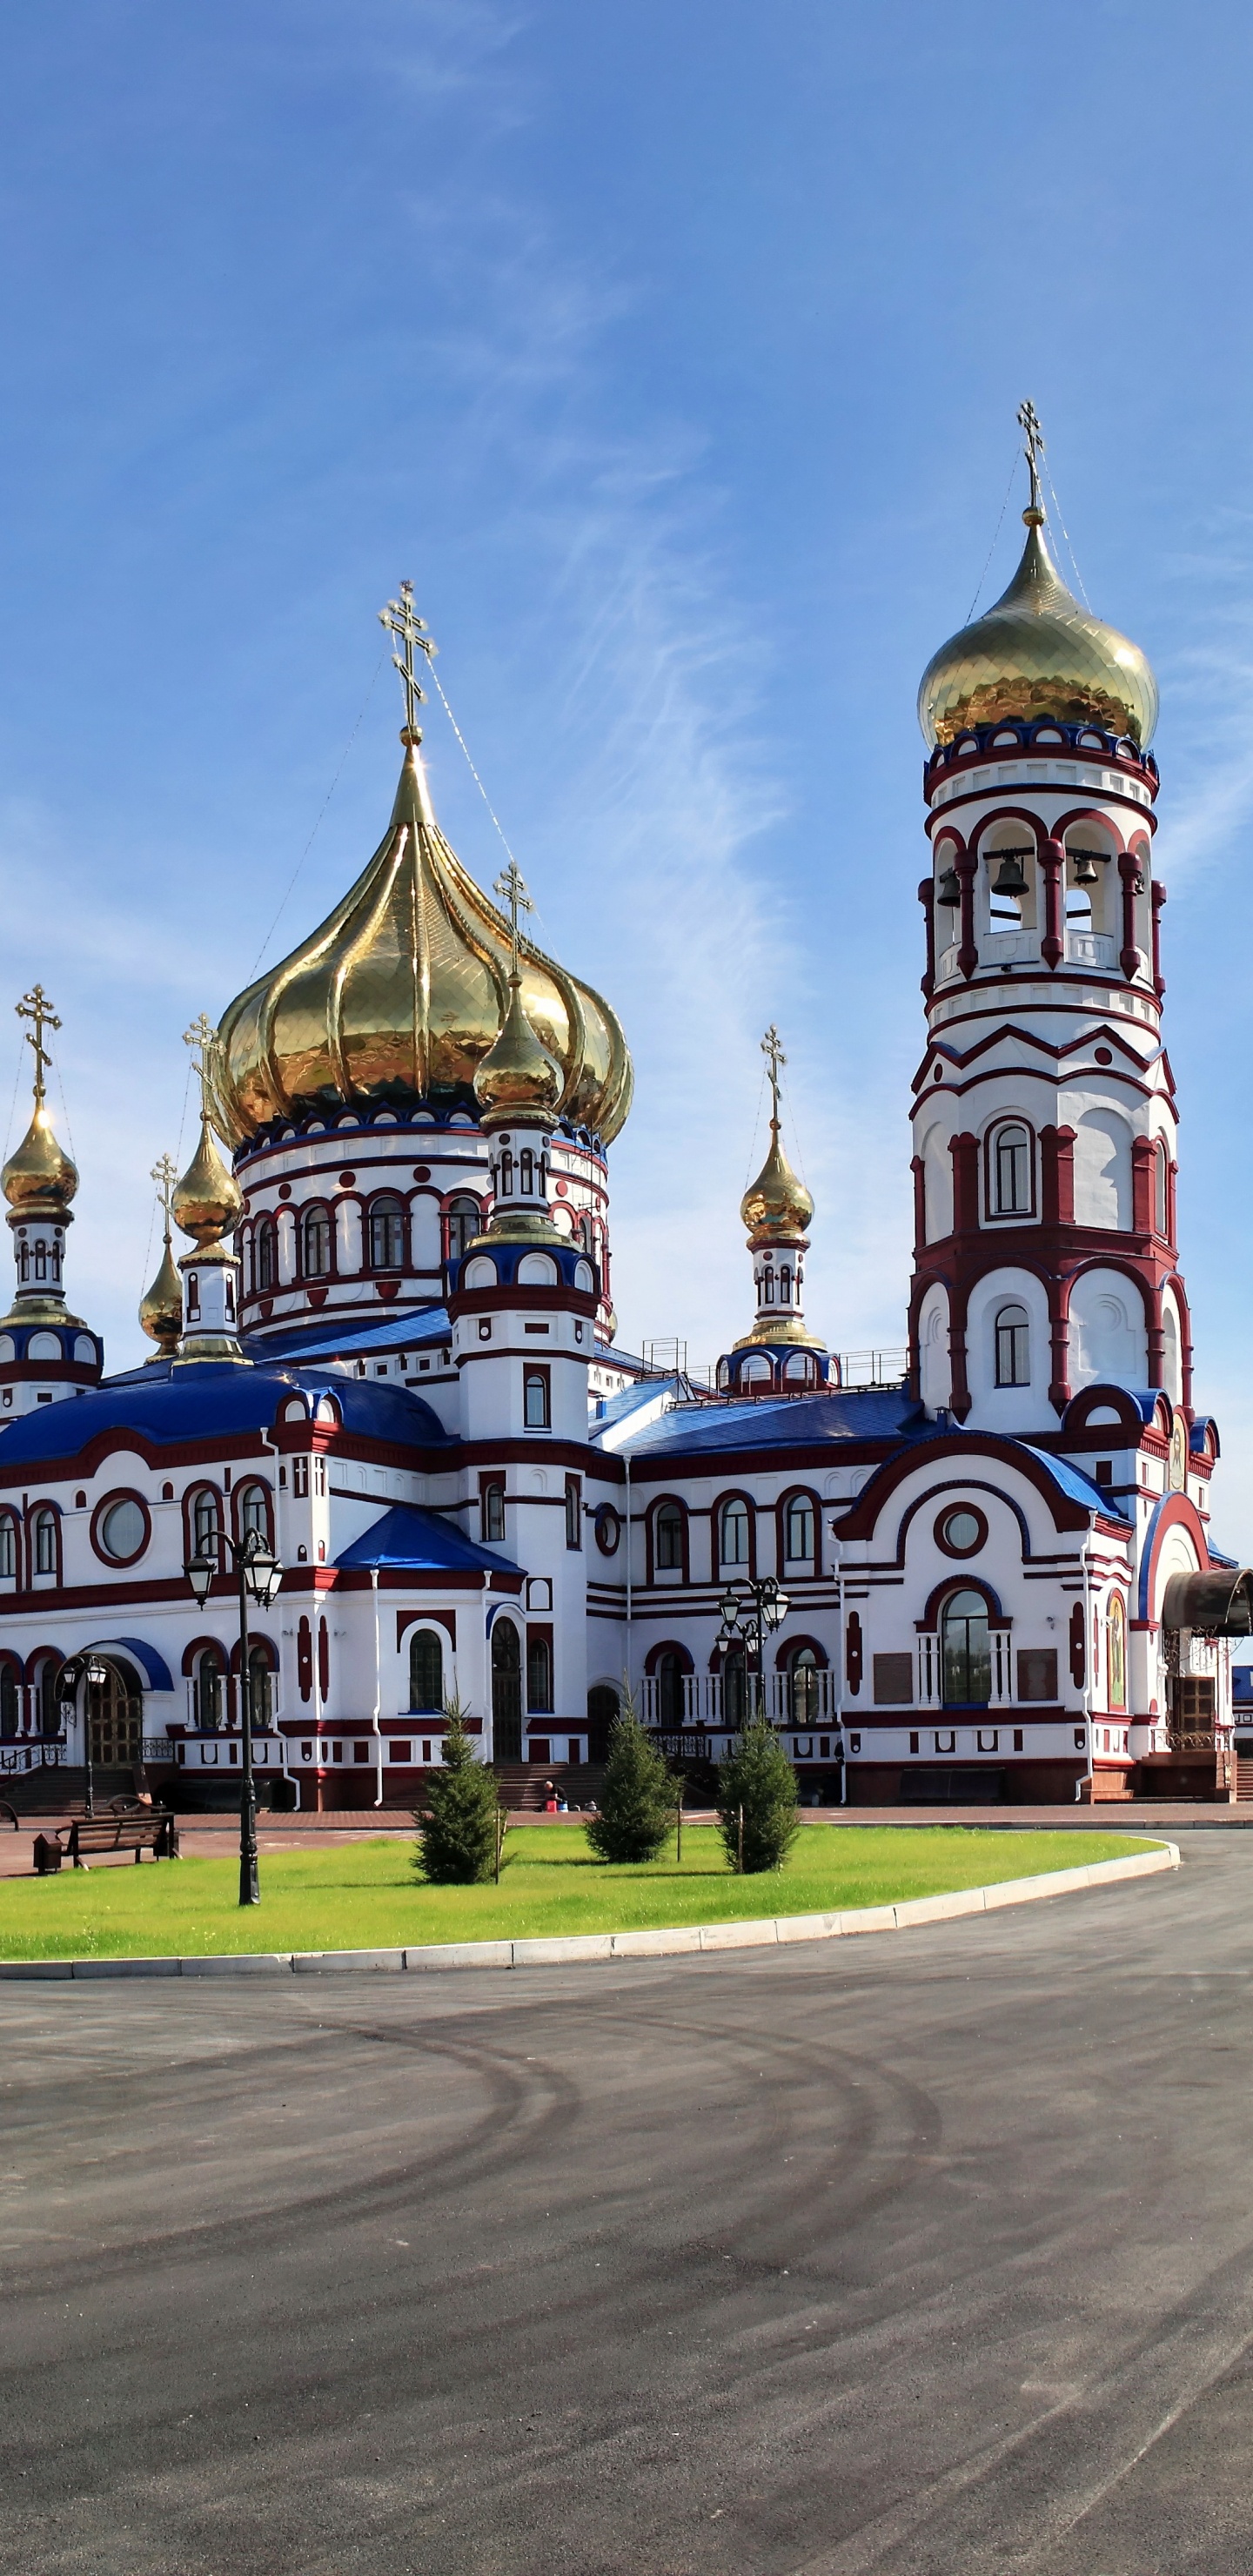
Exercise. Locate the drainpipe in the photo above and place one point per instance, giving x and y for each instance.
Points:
(378, 1689)
(1087, 1680)
(627, 1463)
(838, 1574)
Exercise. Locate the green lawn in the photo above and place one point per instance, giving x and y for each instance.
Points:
(367, 1895)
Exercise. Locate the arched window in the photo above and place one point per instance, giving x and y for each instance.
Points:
(10, 1702)
(1160, 1201)
(506, 1692)
(462, 1221)
(493, 1510)
(668, 1537)
(45, 1534)
(1012, 1172)
(210, 1676)
(260, 1689)
(767, 1287)
(539, 1676)
(204, 1523)
(506, 1174)
(426, 1669)
(803, 1675)
(526, 1173)
(8, 1549)
(734, 1686)
(967, 1656)
(535, 1408)
(785, 1284)
(315, 1238)
(1116, 1651)
(733, 1533)
(265, 1264)
(798, 1529)
(669, 1687)
(1013, 1347)
(254, 1515)
(387, 1235)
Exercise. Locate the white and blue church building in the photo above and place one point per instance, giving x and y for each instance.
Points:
(389, 1347)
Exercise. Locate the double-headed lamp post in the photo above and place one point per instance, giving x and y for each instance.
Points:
(260, 1574)
(748, 1621)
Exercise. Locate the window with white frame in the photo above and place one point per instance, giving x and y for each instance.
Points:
(1011, 1172)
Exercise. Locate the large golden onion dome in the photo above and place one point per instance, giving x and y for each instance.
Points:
(1037, 652)
(39, 1179)
(402, 993)
(776, 1207)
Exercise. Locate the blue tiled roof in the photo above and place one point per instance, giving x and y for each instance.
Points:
(405, 1536)
(612, 1409)
(170, 1404)
(1078, 1487)
(320, 1341)
(872, 1413)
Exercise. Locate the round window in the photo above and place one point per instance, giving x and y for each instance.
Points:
(962, 1531)
(123, 1530)
(608, 1529)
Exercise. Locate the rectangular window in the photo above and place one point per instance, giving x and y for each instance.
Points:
(492, 1510)
(1013, 1359)
(1037, 1672)
(539, 1672)
(574, 1512)
(536, 1399)
(893, 1681)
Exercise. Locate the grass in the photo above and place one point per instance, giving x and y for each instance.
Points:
(367, 1895)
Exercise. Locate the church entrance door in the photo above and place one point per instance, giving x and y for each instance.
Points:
(115, 1715)
(506, 1693)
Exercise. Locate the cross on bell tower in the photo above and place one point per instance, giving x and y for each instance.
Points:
(1029, 424)
(510, 885)
(413, 635)
(36, 1006)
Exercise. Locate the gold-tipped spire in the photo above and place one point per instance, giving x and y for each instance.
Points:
(517, 1082)
(404, 990)
(39, 1179)
(208, 1202)
(1037, 652)
(776, 1207)
(161, 1309)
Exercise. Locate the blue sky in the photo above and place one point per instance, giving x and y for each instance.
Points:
(674, 354)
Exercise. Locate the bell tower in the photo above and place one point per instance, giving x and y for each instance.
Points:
(1044, 1116)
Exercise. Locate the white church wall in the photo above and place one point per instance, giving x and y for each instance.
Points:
(937, 1175)
(936, 1386)
(1108, 1334)
(1011, 1409)
(1103, 1170)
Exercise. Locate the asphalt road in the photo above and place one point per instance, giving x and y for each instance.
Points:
(930, 2254)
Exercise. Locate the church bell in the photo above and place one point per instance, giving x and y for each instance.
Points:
(1009, 878)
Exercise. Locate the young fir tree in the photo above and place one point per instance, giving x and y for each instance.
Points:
(758, 1779)
(459, 1831)
(638, 1800)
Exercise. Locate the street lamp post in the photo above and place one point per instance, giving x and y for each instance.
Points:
(260, 1574)
(749, 1622)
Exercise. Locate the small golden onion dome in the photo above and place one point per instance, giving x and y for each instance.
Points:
(208, 1201)
(517, 1083)
(1038, 653)
(39, 1179)
(776, 1207)
(401, 994)
(161, 1311)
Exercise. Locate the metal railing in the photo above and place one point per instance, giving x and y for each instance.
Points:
(40, 1753)
(804, 1699)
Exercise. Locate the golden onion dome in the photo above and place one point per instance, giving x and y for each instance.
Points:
(776, 1207)
(161, 1310)
(208, 1201)
(517, 1081)
(403, 991)
(1038, 653)
(39, 1179)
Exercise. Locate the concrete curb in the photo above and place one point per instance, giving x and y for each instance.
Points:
(683, 1939)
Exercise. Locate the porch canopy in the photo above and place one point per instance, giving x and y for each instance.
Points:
(1217, 1604)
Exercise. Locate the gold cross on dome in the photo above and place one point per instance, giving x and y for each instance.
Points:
(511, 887)
(201, 1034)
(772, 1049)
(1029, 424)
(165, 1174)
(36, 1006)
(410, 632)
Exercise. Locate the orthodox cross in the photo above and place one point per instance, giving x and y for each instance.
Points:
(201, 1034)
(511, 887)
(772, 1049)
(36, 1006)
(412, 634)
(165, 1174)
(1028, 422)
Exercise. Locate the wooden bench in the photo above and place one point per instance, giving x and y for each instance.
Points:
(148, 1829)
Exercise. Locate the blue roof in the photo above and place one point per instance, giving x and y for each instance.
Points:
(410, 1331)
(213, 1399)
(1078, 1487)
(405, 1536)
(785, 1422)
(155, 1669)
(611, 1409)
